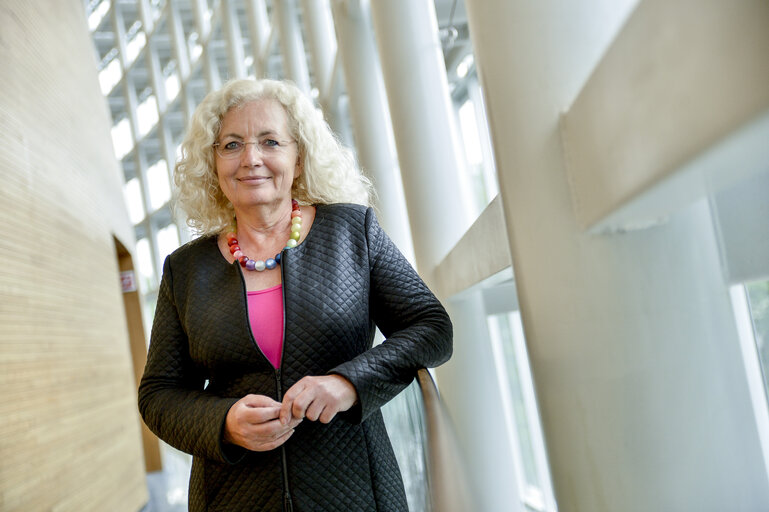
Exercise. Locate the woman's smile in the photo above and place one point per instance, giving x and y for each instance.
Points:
(253, 180)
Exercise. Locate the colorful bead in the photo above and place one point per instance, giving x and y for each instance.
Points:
(271, 263)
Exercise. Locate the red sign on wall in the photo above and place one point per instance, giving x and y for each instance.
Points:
(128, 281)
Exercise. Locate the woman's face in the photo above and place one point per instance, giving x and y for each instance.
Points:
(263, 172)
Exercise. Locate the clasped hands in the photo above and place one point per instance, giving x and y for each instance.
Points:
(259, 423)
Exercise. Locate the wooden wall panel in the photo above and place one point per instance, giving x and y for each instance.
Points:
(69, 431)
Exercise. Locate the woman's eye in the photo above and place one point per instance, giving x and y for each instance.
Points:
(270, 143)
(232, 145)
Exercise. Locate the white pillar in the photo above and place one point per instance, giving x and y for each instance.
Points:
(203, 24)
(633, 347)
(473, 398)
(323, 51)
(371, 118)
(423, 125)
(291, 45)
(181, 54)
(259, 34)
(231, 28)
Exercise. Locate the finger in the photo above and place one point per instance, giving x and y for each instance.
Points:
(302, 403)
(327, 415)
(259, 401)
(268, 430)
(259, 415)
(263, 446)
(288, 401)
(314, 410)
(285, 411)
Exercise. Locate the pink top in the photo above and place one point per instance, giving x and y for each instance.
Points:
(265, 314)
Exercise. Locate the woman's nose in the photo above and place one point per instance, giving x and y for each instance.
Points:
(251, 153)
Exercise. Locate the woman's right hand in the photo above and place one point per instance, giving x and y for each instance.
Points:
(253, 423)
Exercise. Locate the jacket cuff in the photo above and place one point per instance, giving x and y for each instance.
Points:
(354, 414)
(230, 453)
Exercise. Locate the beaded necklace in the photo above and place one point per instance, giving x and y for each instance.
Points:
(260, 265)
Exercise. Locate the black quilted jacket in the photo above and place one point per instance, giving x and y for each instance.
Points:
(346, 277)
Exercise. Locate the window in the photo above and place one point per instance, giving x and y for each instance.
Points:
(144, 264)
(133, 198)
(135, 45)
(520, 410)
(758, 304)
(147, 115)
(158, 184)
(468, 124)
(750, 303)
(110, 76)
(167, 241)
(172, 86)
(94, 19)
(121, 138)
(480, 182)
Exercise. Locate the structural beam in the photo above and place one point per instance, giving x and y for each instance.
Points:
(655, 103)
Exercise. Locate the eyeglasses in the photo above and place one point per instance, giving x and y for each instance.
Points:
(233, 148)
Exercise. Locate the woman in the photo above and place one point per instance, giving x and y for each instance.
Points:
(261, 362)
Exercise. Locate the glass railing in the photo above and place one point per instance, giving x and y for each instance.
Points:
(426, 448)
(406, 424)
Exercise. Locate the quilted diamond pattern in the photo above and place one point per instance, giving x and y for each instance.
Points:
(345, 278)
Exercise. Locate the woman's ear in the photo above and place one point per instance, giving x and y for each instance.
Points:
(299, 167)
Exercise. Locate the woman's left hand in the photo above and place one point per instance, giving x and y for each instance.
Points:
(318, 398)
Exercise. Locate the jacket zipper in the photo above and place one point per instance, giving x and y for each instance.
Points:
(288, 505)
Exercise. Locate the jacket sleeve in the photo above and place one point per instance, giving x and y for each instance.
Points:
(172, 401)
(417, 329)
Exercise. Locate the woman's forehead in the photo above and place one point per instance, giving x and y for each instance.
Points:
(261, 114)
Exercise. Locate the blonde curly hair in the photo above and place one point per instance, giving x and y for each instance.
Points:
(329, 172)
